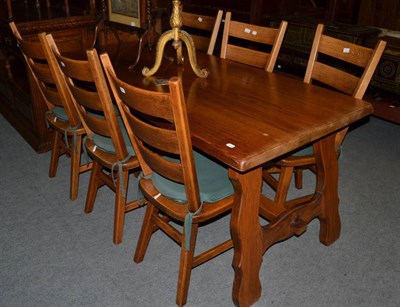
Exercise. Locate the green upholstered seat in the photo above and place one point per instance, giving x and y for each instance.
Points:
(213, 181)
(309, 151)
(59, 113)
(106, 144)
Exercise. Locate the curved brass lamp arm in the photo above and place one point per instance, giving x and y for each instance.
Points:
(177, 36)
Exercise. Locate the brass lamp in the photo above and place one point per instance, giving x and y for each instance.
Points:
(177, 36)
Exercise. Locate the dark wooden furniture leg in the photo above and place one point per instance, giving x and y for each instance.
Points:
(251, 240)
(327, 187)
(246, 235)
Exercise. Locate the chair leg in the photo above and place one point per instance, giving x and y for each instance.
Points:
(76, 154)
(55, 154)
(145, 233)
(185, 267)
(283, 185)
(270, 180)
(119, 211)
(298, 179)
(94, 184)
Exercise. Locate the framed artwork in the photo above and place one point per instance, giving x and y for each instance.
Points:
(125, 12)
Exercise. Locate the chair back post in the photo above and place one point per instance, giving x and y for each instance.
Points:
(276, 46)
(15, 31)
(369, 70)
(314, 53)
(185, 143)
(107, 103)
(225, 36)
(59, 81)
(214, 33)
(110, 74)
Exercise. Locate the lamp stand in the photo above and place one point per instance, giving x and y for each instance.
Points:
(177, 36)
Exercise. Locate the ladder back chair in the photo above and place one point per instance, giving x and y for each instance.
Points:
(333, 75)
(252, 34)
(107, 141)
(61, 117)
(179, 183)
(205, 25)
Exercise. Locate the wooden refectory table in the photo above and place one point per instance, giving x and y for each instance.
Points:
(244, 117)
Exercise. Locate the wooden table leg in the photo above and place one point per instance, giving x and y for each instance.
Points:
(247, 237)
(327, 185)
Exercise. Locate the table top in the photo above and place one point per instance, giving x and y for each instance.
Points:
(245, 116)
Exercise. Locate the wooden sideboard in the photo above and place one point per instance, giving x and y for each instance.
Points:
(21, 103)
(386, 81)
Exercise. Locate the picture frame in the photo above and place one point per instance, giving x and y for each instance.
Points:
(125, 12)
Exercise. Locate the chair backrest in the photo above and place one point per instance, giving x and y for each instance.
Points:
(252, 33)
(341, 79)
(90, 94)
(165, 149)
(37, 64)
(329, 73)
(208, 24)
